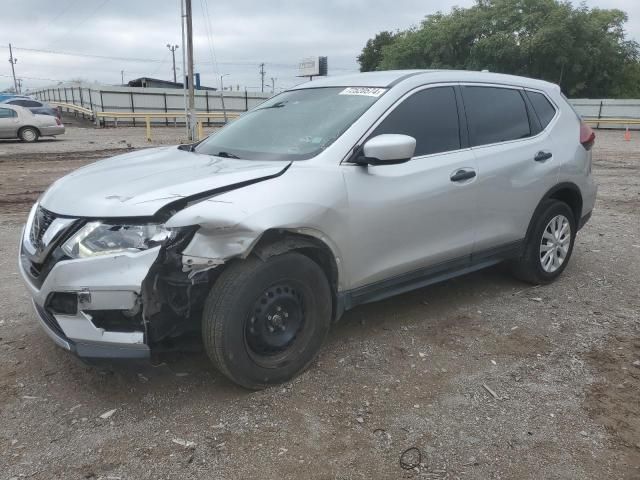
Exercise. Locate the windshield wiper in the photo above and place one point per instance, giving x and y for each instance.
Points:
(189, 147)
(226, 155)
(275, 105)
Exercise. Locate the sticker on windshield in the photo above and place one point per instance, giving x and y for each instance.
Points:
(366, 91)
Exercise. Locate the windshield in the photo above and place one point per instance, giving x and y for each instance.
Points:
(294, 125)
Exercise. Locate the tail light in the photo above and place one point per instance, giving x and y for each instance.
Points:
(587, 136)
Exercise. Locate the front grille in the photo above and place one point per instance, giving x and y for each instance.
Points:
(41, 222)
(39, 257)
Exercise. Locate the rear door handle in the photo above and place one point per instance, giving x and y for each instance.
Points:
(461, 175)
(542, 156)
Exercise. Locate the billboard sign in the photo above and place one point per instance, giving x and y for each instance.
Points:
(312, 67)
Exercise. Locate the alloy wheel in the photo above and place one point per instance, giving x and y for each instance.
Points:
(555, 243)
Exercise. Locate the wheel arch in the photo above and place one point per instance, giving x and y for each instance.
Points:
(310, 243)
(29, 126)
(566, 192)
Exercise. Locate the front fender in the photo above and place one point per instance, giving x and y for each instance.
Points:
(307, 200)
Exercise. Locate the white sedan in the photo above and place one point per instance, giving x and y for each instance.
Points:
(19, 122)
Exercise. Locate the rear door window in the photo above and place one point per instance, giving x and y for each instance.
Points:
(430, 116)
(7, 113)
(544, 109)
(495, 114)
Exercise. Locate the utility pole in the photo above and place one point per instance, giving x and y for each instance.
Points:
(121, 77)
(13, 61)
(184, 68)
(262, 74)
(173, 49)
(273, 84)
(224, 110)
(191, 110)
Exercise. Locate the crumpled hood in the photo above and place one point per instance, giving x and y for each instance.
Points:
(140, 183)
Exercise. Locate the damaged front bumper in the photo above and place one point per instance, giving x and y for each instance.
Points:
(78, 297)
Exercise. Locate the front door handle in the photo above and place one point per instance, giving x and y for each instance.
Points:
(462, 175)
(542, 156)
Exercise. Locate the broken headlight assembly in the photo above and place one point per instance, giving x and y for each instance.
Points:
(99, 238)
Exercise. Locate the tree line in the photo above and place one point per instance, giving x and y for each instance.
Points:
(586, 51)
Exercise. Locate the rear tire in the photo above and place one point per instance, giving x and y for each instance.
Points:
(549, 245)
(28, 134)
(265, 321)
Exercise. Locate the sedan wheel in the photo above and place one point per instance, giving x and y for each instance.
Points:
(28, 134)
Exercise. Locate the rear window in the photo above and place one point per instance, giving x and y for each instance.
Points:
(25, 103)
(495, 115)
(543, 107)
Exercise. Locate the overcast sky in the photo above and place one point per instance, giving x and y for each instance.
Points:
(244, 33)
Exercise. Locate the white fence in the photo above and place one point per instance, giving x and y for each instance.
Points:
(608, 109)
(102, 98)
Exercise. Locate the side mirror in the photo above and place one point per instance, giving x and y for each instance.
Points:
(387, 149)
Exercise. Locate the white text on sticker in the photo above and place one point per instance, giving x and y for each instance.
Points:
(367, 91)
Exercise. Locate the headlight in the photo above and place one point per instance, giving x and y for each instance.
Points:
(98, 238)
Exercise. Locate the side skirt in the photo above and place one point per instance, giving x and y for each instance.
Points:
(427, 276)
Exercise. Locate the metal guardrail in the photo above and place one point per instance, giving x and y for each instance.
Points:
(71, 106)
(222, 117)
(612, 121)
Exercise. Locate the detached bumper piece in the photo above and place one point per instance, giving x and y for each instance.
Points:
(87, 348)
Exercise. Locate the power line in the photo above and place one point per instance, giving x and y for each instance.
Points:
(146, 60)
(35, 78)
(81, 22)
(53, 20)
(208, 28)
(88, 55)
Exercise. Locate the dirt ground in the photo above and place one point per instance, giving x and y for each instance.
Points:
(413, 371)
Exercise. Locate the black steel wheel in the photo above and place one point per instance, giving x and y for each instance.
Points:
(265, 321)
(274, 323)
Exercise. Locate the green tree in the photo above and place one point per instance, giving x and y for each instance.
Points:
(584, 50)
(371, 54)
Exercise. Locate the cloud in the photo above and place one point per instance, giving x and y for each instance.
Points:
(245, 33)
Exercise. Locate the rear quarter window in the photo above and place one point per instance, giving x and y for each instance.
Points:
(543, 107)
(495, 114)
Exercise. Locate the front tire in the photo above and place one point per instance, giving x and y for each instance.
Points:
(549, 245)
(28, 134)
(265, 321)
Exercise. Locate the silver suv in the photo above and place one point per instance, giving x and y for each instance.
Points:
(332, 194)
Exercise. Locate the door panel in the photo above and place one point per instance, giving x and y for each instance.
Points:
(408, 216)
(510, 185)
(413, 215)
(516, 166)
(8, 123)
